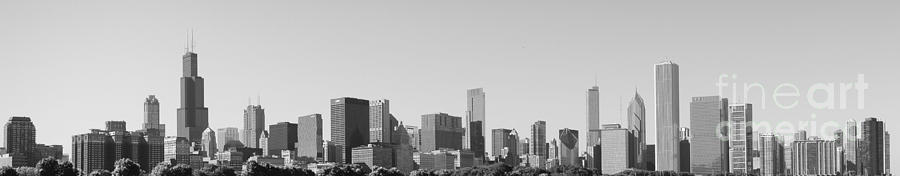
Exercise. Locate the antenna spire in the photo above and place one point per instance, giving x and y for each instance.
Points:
(192, 40)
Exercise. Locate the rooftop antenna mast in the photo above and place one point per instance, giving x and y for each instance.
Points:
(192, 40)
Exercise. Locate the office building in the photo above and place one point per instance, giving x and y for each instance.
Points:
(93, 151)
(684, 149)
(771, 155)
(850, 145)
(192, 114)
(224, 135)
(208, 143)
(616, 152)
(667, 116)
(441, 131)
(381, 122)
(476, 123)
(264, 144)
(282, 136)
(349, 126)
(502, 142)
(592, 117)
(740, 138)
(19, 136)
(151, 117)
(637, 120)
(815, 157)
(254, 125)
(568, 150)
(309, 134)
(415, 140)
(871, 148)
(177, 150)
(374, 155)
(709, 154)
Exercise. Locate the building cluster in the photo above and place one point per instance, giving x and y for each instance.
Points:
(719, 140)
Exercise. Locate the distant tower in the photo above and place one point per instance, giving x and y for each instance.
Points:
(349, 126)
(19, 134)
(475, 123)
(871, 150)
(539, 140)
(208, 142)
(850, 146)
(264, 143)
(667, 119)
(310, 137)
(151, 117)
(282, 136)
(225, 135)
(441, 131)
(740, 132)
(568, 151)
(709, 145)
(254, 125)
(192, 115)
(380, 123)
(592, 118)
(637, 120)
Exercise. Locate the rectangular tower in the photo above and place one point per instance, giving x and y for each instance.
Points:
(192, 114)
(709, 151)
(740, 138)
(349, 126)
(441, 131)
(310, 137)
(667, 121)
(475, 123)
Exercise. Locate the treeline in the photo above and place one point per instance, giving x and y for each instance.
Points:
(126, 167)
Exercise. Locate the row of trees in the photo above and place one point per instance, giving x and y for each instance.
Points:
(126, 167)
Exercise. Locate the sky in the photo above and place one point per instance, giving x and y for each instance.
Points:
(70, 65)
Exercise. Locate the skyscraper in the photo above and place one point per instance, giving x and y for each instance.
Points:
(19, 136)
(403, 151)
(850, 146)
(771, 155)
(568, 151)
(414, 136)
(871, 150)
(499, 140)
(349, 126)
(282, 136)
(93, 151)
(192, 115)
(815, 157)
(475, 123)
(887, 153)
(178, 150)
(740, 138)
(381, 122)
(264, 143)
(592, 117)
(667, 121)
(309, 134)
(208, 143)
(441, 131)
(709, 151)
(151, 117)
(225, 135)
(617, 154)
(254, 125)
(684, 149)
(539, 139)
(637, 125)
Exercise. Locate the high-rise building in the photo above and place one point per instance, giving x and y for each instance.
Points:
(684, 149)
(475, 123)
(740, 138)
(19, 136)
(539, 139)
(616, 152)
(282, 136)
(374, 155)
(568, 151)
(381, 122)
(709, 151)
(151, 117)
(309, 137)
(800, 135)
(224, 135)
(553, 154)
(403, 151)
(331, 153)
(771, 155)
(649, 156)
(500, 139)
(254, 125)
(592, 117)
(522, 146)
(850, 146)
(208, 143)
(637, 125)
(349, 126)
(887, 153)
(414, 137)
(177, 150)
(264, 143)
(192, 114)
(93, 151)
(667, 119)
(815, 157)
(871, 150)
(441, 131)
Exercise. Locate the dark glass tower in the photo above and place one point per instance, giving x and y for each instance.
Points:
(349, 126)
(192, 115)
(871, 151)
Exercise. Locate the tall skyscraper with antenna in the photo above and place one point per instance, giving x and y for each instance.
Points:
(592, 117)
(637, 125)
(192, 114)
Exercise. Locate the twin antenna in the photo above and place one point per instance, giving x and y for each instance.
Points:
(189, 44)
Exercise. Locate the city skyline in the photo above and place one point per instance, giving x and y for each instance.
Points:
(47, 105)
